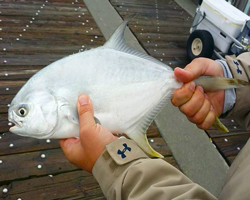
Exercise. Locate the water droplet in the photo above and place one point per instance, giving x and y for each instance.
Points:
(87, 31)
(50, 175)
(33, 18)
(1, 161)
(91, 29)
(1, 38)
(0, 137)
(48, 140)
(39, 166)
(4, 49)
(8, 105)
(5, 190)
(147, 41)
(1, 29)
(36, 13)
(17, 39)
(96, 37)
(79, 16)
(92, 40)
(232, 120)
(19, 199)
(11, 145)
(24, 29)
(238, 148)
(43, 156)
(41, 7)
(7, 89)
(83, 24)
(87, 20)
(31, 22)
(152, 140)
(20, 35)
(73, 3)
(235, 127)
(154, 50)
(226, 140)
(5, 61)
(27, 26)
(161, 59)
(0, 20)
(83, 46)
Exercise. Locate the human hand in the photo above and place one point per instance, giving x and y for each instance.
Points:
(85, 150)
(200, 107)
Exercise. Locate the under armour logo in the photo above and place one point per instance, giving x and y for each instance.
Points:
(122, 153)
(238, 69)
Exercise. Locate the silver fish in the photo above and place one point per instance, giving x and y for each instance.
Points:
(127, 88)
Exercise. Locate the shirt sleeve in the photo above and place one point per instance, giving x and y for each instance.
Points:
(240, 69)
(230, 95)
(125, 172)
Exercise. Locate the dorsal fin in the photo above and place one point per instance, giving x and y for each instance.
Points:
(117, 42)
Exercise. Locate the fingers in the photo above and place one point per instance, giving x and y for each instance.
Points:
(86, 114)
(184, 94)
(195, 104)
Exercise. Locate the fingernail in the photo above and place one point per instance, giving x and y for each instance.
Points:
(192, 86)
(201, 89)
(212, 108)
(83, 100)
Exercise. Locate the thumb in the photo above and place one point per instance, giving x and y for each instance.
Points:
(193, 70)
(86, 114)
(183, 75)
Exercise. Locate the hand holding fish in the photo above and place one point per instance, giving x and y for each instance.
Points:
(200, 108)
(85, 150)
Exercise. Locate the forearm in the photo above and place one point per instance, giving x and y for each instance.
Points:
(138, 177)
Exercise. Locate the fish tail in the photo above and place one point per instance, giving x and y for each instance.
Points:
(219, 126)
(211, 83)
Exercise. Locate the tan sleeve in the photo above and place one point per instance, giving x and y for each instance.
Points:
(125, 172)
(240, 68)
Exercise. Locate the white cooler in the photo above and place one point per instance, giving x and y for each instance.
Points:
(226, 19)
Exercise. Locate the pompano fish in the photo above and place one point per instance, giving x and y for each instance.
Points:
(127, 88)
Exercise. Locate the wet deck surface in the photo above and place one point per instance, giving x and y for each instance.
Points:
(34, 34)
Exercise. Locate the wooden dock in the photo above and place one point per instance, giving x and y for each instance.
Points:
(35, 33)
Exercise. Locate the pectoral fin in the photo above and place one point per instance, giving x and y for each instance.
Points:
(70, 112)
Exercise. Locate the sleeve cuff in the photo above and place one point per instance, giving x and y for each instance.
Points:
(230, 95)
(117, 157)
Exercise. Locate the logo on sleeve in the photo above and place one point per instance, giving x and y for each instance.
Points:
(122, 153)
(238, 69)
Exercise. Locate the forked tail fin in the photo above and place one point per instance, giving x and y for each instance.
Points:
(211, 83)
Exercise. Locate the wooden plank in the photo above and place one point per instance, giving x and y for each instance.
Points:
(55, 162)
(74, 185)
(231, 146)
(24, 144)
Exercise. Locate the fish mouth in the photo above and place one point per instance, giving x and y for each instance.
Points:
(17, 124)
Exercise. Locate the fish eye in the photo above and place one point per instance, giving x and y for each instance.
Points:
(22, 112)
